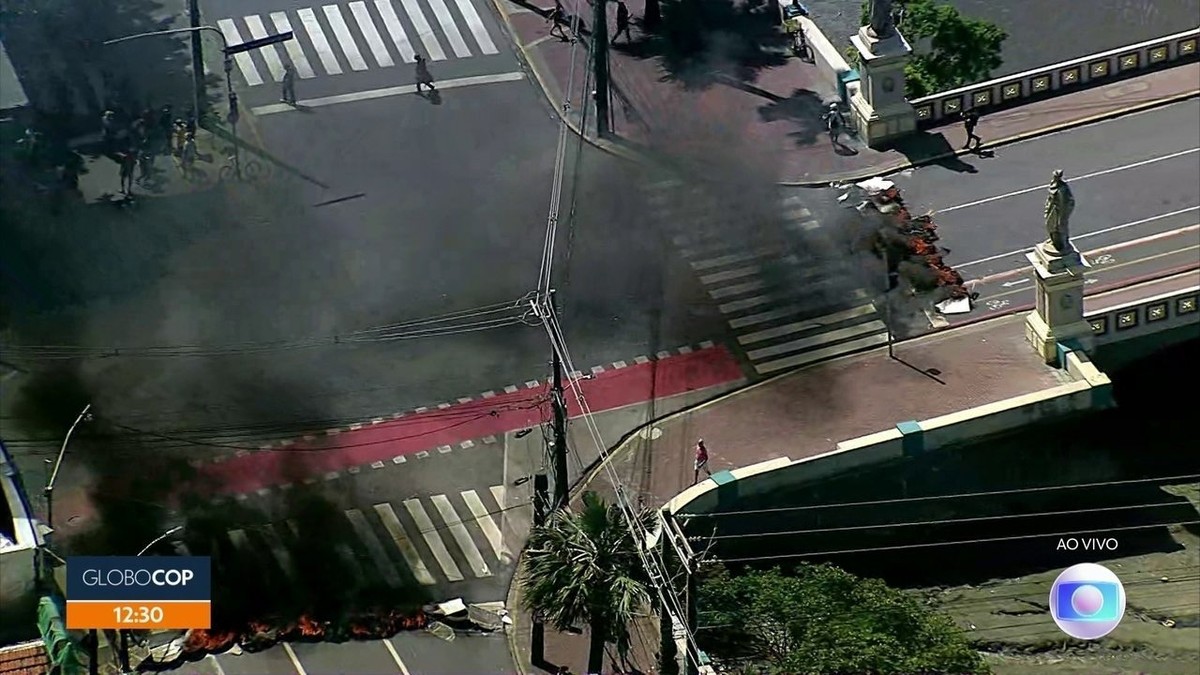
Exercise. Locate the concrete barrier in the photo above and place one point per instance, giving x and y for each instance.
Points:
(830, 63)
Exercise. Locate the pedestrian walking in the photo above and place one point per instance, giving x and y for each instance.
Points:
(834, 123)
(187, 156)
(128, 162)
(557, 18)
(289, 85)
(108, 128)
(622, 22)
(145, 161)
(424, 77)
(970, 119)
(180, 134)
(701, 463)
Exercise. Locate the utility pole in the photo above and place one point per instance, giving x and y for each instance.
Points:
(199, 91)
(600, 64)
(560, 427)
(537, 637)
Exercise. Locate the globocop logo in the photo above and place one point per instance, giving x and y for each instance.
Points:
(1087, 601)
(109, 592)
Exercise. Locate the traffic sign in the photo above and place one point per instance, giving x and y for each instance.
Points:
(260, 42)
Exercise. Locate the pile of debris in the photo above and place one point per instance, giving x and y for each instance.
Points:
(908, 245)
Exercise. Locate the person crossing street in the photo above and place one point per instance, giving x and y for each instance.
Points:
(622, 22)
(701, 462)
(289, 85)
(424, 77)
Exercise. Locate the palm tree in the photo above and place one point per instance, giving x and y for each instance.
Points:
(585, 568)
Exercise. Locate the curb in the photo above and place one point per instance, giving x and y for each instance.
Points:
(638, 155)
(903, 165)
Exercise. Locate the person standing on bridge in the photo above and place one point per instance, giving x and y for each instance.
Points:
(701, 463)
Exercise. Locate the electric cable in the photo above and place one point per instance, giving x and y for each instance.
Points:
(986, 540)
(947, 521)
(487, 317)
(1166, 480)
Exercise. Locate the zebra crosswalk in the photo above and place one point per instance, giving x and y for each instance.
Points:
(787, 305)
(439, 539)
(356, 36)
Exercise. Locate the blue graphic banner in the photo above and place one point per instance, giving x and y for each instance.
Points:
(133, 578)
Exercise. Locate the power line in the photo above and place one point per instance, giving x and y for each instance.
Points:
(963, 495)
(899, 547)
(487, 317)
(948, 521)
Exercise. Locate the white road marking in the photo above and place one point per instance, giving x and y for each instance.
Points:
(317, 35)
(816, 355)
(424, 30)
(459, 531)
(291, 654)
(442, 85)
(442, 12)
(725, 260)
(500, 494)
(727, 275)
(280, 552)
(365, 24)
(395, 657)
(477, 27)
(367, 536)
(807, 324)
(770, 315)
(404, 544)
(333, 14)
(294, 50)
(392, 23)
(737, 289)
(429, 533)
(239, 539)
(1085, 235)
(485, 521)
(1105, 249)
(1073, 179)
(215, 664)
(257, 30)
(814, 340)
(245, 64)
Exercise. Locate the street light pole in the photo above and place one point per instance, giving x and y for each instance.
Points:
(887, 298)
(48, 491)
(125, 632)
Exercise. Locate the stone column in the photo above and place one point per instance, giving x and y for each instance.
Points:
(1059, 276)
(881, 112)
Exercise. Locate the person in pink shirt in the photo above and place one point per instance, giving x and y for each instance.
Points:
(701, 462)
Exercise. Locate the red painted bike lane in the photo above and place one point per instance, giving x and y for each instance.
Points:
(316, 456)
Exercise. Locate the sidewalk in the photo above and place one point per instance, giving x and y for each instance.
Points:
(805, 414)
(766, 104)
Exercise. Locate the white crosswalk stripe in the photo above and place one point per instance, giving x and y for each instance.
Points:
(363, 529)
(442, 12)
(432, 539)
(424, 31)
(475, 24)
(404, 544)
(391, 22)
(333, 14)
(294, 50)
(458, 535)
(339, 41)
(316, 35)
(268, 53)
(374, 41)
(459, 531)
(787, 305)
(245, 64)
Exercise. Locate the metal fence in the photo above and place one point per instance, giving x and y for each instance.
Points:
(1059, 77)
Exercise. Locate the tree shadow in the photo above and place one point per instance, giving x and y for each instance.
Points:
(71, 77)
(698, 41)
(803, 109)
(925, 148)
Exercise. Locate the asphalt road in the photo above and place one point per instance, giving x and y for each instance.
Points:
(1137, 202)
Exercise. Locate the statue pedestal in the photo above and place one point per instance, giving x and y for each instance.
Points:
(1059, 314)
(881, 112)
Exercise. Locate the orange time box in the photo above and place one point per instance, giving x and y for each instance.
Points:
(104, 614)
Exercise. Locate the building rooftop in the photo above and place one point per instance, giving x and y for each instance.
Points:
(27, 658)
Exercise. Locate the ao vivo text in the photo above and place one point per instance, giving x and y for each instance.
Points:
(1086, 544)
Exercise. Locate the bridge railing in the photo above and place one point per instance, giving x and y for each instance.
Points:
(1167, 310)
(1058, 78)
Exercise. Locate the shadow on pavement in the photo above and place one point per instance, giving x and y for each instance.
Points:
(699, 41)
(922, 147)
